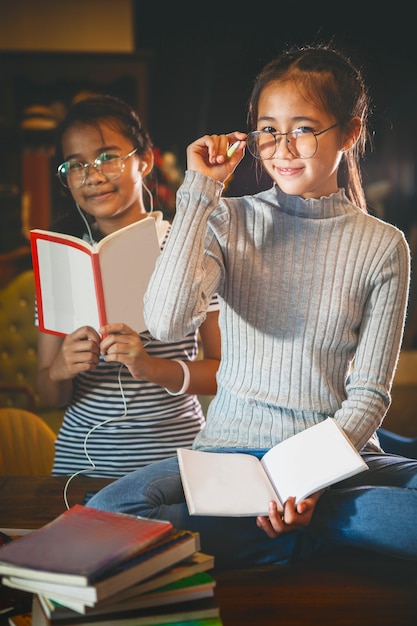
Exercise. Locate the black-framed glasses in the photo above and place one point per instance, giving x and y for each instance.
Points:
(301, 142)
(73, 174)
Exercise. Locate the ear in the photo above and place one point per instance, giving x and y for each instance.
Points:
(146, 162)
(353, 132)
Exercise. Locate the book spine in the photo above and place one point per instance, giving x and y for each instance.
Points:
(98, 284)
(36, 274)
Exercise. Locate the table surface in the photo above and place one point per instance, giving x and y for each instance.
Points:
(354, 590)
(29, 502)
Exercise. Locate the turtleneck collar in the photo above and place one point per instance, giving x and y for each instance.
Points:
(314, 208)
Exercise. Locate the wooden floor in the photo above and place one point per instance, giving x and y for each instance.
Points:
(347, 589)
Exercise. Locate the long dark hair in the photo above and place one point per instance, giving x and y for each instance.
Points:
(327, 77)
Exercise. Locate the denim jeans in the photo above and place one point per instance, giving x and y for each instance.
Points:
(374, 510)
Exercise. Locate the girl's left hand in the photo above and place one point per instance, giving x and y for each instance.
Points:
(292, 518)
(122, 344)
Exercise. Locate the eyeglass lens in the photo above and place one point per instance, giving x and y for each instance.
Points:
(263, 144)
(74, 175)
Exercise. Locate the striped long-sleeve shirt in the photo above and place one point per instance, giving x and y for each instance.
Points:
(313, 297)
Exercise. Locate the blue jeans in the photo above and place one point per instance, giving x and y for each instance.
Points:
(375, 510)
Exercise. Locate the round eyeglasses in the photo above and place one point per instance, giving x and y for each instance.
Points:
(73, 174)
(300, 142)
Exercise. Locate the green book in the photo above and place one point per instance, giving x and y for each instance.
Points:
(199, 585)
(183, 612)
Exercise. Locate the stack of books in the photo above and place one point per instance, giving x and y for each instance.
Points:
(95, 567)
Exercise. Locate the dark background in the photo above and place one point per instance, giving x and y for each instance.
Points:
(192, 72)
(205, 58)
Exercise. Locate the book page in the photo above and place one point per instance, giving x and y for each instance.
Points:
(224, 484)
(126, 265)
(67, 287)
(311, 460)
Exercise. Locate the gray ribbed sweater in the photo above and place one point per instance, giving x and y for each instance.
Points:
(305, 287)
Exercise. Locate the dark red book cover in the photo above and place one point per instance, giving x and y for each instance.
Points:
(80, 545)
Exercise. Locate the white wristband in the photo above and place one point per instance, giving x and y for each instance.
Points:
(186, 382)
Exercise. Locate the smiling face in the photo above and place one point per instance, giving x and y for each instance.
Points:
(116, 203)
(283, 108)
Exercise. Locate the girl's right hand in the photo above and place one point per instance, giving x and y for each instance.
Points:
(80, 351)
(208, 155)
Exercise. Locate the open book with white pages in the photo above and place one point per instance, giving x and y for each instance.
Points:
(78, 283)
(239, 484)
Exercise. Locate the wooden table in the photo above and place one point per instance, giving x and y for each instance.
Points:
(30, 502)
(343, 590)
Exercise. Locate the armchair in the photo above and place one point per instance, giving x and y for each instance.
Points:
(18, 349)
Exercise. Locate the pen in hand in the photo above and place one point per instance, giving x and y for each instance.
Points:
(232, 149)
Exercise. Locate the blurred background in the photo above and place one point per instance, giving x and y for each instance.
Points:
(188, 69)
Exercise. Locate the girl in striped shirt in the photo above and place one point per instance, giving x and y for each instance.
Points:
(129, 399)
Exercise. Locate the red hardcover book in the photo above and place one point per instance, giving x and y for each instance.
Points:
(80, 545)
(79, 284)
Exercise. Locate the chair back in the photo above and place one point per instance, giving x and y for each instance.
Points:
(19, 349)
(18, 342)
(26, 444)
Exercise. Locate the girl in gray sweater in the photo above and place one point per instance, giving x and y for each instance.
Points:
(313, 294)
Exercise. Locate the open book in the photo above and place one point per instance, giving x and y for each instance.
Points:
(239, 484)
(80, 284)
